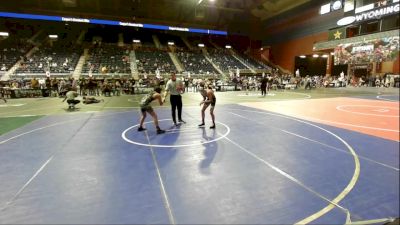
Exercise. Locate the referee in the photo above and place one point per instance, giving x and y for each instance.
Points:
(175, 87)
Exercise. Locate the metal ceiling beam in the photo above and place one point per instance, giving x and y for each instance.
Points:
(224, 8)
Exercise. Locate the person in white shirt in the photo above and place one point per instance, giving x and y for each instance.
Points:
(175, 88)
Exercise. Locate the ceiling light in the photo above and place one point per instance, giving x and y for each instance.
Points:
(325, 56)
(200, 45)
(170, 43)
(332, 53)
(136, 41)
(315, 55)
(4, 34)
(302, 56)
(228, 46)
(53, 36)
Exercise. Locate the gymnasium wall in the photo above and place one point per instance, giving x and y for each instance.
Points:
(295, 32)
(283, 54)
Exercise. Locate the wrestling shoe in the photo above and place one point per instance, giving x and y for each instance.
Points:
(141, 129)
(160, 131)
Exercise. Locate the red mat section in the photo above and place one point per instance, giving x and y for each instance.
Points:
(373, 117)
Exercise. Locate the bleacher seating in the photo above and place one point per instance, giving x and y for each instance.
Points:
(195, 62)
(224, 60)
(148, 61)
(115, 59)
(223, 41)
(12, 49)
(107, 58)
(253, 63)
(60, 57)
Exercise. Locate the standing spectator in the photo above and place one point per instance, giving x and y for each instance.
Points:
(132, 86)
(264, 82)
(308, 83)
(48, 86)
(187, 84)
(270, 81)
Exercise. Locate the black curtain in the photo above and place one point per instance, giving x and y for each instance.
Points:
(337, 69)
(311, 66)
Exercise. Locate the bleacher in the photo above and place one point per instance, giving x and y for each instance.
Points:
(106, 58)
(195, 62)
(253, 63)
(224, 60)
(148, 61)
(12, 49)
(58, 58)
(222, 41)
(114, 59)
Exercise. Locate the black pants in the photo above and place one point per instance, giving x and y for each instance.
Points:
(176, 102)
(70, 101)
(263, 90)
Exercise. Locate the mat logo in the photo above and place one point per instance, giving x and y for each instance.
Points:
(381, 110)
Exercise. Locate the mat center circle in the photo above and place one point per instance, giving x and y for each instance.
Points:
(184, 135)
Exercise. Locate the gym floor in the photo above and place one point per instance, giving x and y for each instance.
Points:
(325, 156)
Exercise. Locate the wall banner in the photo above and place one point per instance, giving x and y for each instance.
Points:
(379, 50)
